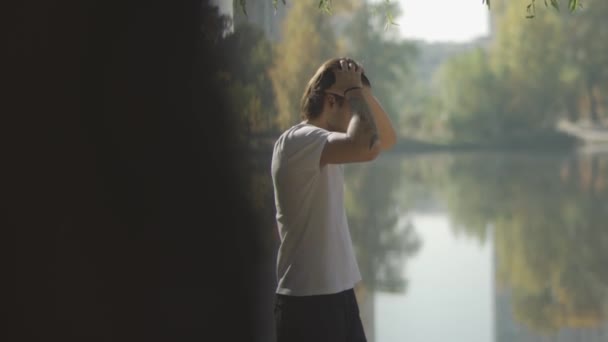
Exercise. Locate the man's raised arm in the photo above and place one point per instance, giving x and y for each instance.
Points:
(360, 142)
(386, 132)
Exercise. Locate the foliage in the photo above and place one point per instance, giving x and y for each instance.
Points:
(512, 88)
(248, 86)
(532, 74)
(246, 56)
(363, 38)
(311, 42)
(469, 94)
(587, 57)
(327, 5)
(573, 5)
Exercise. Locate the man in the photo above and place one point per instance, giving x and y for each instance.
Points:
(316, 266)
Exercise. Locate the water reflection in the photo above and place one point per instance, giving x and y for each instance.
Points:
(543, 215)
(382, 240)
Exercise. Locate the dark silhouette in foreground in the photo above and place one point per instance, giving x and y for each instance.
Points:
(132, 224)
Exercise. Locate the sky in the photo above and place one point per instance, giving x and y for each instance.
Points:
(443, 20)
(451, 290)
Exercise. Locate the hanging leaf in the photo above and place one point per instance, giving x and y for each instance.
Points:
(325, 6)
(275, 3)
(389, 21)
(531, 10)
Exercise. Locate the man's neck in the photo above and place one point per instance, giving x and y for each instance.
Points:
(319, 121)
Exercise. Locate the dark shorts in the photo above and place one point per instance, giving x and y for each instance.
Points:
(323, 318)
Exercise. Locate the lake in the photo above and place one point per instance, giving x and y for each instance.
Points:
(482, 247)
(474, 247)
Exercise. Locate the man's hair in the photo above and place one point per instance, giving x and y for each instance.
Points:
(311, 104)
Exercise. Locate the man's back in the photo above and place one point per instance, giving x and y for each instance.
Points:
(317, 269)
(316, 254)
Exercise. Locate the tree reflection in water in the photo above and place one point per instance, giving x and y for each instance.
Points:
(545, 214)
(383, 238)
(549, 217)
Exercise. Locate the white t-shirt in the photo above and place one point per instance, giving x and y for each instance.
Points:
(316, 255)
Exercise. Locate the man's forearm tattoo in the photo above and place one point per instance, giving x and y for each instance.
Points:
(366, 122)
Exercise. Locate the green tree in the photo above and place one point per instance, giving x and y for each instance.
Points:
(472, 99)
(588, 56)
(328, 5)
(387, 60)
(513, 91)
(528, 58)
(245, 75)
(309, 41)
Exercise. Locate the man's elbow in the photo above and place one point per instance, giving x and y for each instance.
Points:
(373, 152)
(389, 141)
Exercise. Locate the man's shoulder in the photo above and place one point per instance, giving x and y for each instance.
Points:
(299, 136)
(303, 131)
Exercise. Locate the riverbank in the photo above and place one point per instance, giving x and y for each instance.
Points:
(551, 141)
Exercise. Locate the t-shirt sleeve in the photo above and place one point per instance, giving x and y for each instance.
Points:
(306, 146)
